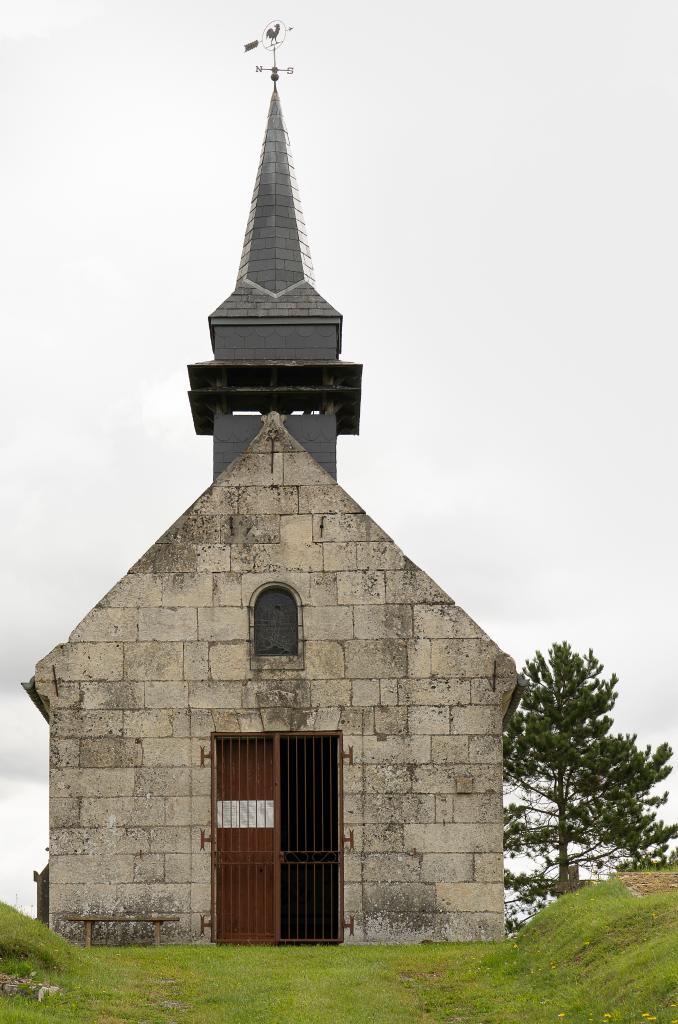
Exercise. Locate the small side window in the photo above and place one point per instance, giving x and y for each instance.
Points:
(276, 624)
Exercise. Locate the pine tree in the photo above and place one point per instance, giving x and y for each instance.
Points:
(582, 797)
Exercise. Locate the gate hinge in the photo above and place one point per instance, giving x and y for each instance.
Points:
(349, 922)
(206, 922)
(348, 840)
(347, 755)
(204, 839)
(205, 755)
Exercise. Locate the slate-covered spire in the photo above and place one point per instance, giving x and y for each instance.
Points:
(275, 253)
(276, 340)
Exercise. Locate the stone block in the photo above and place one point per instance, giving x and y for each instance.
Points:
(192, 528)
(166, 752)
(179, 810)
(380, 838)
(330, 692)
(72, 722)
(406, 807)
(149, 868)
(300, 469)
(218, 500)
(328, 623)
(174, 782)
(322, 588)
(470, 896)
(339, 557)
(81, 661)
(250, 721)
(478, 720)
(398, 900)
(225, 721)
(149, 722)
(392, 867)
(117, 752)
(485, 750)
(365, 692)
(291, 692)
(296, 530)
(275, 499)
(428, 719)
(324, 659)
(178, 867)
(376, 658)
(397, 749)
(387, 778)
(64, 753)
(134, 591)
(186, 590)
(439, 778)
(223, 623)
(110, 695)
(229, 660)
(412, 586)
(436, 838)
(250, 529)
(390, 720)
(171, 839)
(488, 867)
(227, 588)
(485, 691)
(82, 869)
(177, 556)
(211, 694)
(107, 624)
(285, 719)
(160, 693)
(91, 782)
(327, 498)
(201, 723)
(419, 659)
(379, 555)
(213, 557)
(376, 622)
(434, 691)
(388, 691)
(154, 660)
(276, 559)
(445, 621)
(360, 588)
(196, 660)
(181, 723)
(466, 658)
(123, 811)
(450, 748)
(168, 624)
(447, 867)
(346, 526)
(257, 470)
(164, 898)
(64, 812)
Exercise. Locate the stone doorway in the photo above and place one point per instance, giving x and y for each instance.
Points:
(277, 852)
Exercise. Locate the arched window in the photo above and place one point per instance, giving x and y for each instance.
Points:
(276, 624)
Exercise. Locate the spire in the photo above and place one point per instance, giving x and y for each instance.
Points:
(275, 253)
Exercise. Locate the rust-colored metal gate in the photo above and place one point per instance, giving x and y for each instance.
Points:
(277, 848)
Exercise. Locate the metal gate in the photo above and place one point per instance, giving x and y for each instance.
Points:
(277, 857)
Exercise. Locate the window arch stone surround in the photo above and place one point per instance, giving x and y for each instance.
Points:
(279, 661)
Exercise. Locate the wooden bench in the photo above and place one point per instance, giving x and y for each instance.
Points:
(88, 920)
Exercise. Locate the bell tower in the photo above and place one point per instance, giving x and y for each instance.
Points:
(276, 341)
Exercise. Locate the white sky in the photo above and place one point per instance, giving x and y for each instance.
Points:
(490, 193)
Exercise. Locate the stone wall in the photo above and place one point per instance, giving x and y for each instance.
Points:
(163, 660)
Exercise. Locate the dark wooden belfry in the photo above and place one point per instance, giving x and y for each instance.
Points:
(276, 340)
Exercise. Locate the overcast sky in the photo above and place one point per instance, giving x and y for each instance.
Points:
(490, 193)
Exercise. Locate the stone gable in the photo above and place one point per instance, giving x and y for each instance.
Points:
(164, 660)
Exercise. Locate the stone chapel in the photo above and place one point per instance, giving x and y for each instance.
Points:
(275, 728)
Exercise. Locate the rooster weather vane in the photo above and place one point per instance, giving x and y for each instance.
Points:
(272, 38)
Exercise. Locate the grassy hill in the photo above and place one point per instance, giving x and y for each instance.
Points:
(599, 955)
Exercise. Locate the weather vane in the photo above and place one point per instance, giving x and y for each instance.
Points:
(272, 37)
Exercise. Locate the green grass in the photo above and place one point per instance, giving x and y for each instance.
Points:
(600, 951)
